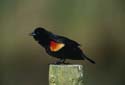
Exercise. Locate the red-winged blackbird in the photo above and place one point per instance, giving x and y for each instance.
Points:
(59, 46)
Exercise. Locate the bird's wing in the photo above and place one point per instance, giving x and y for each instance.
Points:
(71, 42)
(65, 40)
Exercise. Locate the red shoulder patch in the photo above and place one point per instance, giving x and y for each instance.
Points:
(55, 46)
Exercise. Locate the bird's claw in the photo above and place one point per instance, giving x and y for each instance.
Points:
(59, 63)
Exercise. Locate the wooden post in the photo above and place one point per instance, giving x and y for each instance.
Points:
(66, 75)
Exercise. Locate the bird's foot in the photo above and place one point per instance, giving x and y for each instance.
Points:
(59, 63)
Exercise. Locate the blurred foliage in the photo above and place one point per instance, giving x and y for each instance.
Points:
(99, 25)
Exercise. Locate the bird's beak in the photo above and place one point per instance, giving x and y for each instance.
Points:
(32, 34)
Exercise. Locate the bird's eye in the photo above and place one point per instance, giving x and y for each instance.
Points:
(37, 32)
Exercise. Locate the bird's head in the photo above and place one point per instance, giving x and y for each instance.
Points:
(38, 31)
(39, 34)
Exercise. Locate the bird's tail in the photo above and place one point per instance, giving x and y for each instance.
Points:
(89, 59)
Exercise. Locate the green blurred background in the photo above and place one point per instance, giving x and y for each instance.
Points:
(99, 25)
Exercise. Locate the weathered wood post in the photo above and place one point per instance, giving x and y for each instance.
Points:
(66, 75)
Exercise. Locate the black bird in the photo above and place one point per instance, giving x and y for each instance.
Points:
(59, 46)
